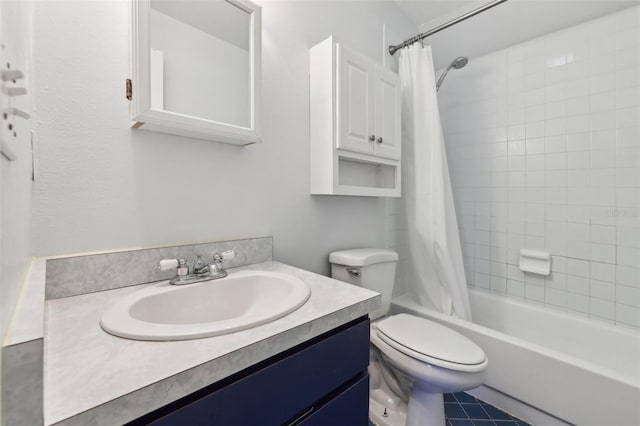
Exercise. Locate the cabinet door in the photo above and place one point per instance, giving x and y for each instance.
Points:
(355, 108)
(387, 114)
(281, 390)
(349, 408)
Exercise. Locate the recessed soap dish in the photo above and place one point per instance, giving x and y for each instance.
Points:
(535, 262)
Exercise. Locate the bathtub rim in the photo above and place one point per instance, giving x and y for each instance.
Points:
(404, 303)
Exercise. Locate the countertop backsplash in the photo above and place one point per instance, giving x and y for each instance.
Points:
(80, 274)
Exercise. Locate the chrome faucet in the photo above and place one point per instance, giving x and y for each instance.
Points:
(199, 272)
(199, 267)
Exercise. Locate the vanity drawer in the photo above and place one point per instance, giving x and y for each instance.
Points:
(346, 409)
(282, 389)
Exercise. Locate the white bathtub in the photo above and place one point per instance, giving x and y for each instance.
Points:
(577, 370)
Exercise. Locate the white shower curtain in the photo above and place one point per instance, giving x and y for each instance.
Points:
(434, 242)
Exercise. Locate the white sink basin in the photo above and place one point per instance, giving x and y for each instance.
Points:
(242, 300)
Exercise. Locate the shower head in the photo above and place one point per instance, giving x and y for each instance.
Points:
(460, 62)
(457, 63)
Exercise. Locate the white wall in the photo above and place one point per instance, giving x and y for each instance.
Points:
(106, 186)
(16, 188)
(204, 76)
(15, 177)
(543, 143)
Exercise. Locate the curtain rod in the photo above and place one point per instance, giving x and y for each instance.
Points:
(408, 42)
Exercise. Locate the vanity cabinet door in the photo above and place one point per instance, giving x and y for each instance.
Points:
(355, 102)
(387, 114)
(288, 389)
(340, 410)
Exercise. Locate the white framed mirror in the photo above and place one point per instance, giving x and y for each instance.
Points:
(195, 68)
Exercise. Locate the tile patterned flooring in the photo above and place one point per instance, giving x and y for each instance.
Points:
(462, 409)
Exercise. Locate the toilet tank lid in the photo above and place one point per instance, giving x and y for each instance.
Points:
(362, 256)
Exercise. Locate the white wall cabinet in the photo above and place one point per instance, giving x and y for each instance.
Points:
(355, 123)
(387, 114)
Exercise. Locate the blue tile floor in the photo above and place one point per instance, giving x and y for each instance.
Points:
(462, 409)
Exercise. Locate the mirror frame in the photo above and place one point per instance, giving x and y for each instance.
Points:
(143, 116)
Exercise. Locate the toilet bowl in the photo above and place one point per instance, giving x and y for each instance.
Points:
(432, 359)
(413, 360)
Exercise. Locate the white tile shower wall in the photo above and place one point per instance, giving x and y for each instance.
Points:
(543, 146)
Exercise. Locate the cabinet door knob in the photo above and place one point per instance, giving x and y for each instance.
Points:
(380, 140)
(372, 138)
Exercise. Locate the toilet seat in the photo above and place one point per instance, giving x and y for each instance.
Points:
(430, 342)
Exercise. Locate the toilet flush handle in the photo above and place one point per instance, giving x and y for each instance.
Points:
(354, 272)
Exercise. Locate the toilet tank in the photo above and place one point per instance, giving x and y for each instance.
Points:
(370, 268)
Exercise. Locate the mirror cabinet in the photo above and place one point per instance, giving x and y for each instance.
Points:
(195, 69)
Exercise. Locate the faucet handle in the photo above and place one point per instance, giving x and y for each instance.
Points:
(180, 266)
(216, 267)
(229, 254)
(166, 264)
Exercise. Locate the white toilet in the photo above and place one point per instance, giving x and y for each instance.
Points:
(413, 360)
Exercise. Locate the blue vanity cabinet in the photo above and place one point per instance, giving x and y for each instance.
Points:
(323, 381)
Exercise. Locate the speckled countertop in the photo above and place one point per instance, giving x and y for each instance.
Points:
(94, 378)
